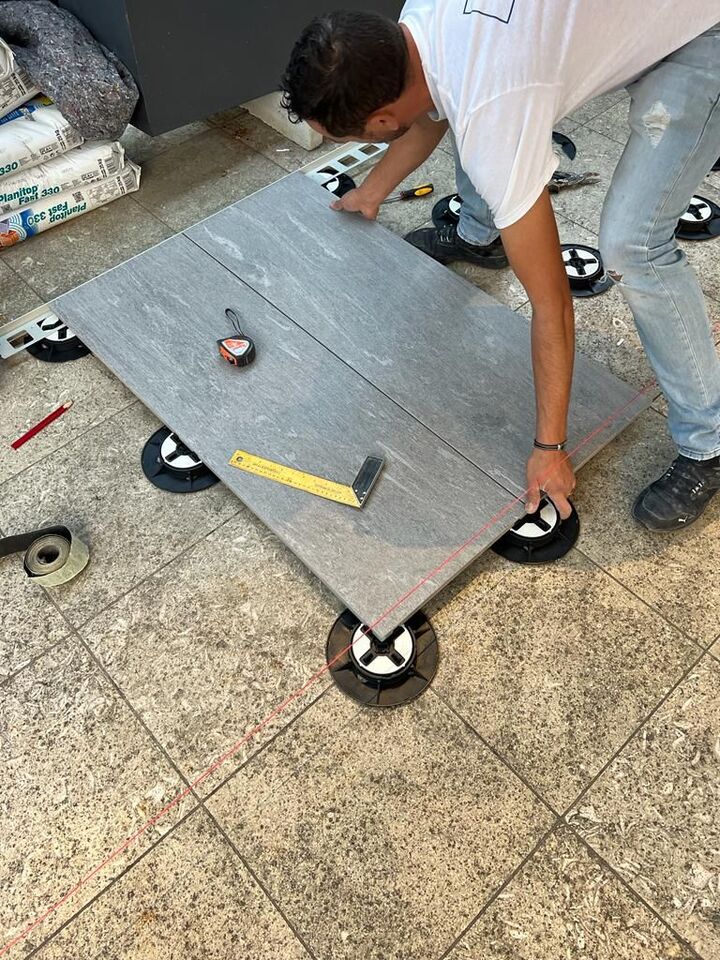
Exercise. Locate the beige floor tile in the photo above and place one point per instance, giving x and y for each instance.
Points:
(140, 147)
(200, 176)
(231, 628)
(189, 899)
(243, 127)
(566, 905)
(654, 814)
(31, 389)
(79, 777)
(676, 574)
(16, 297)
(30, 623)
(69, 254)
(380, 834)
(554, 666)
(614, 122)
(605, 331)
(597, 106)
(95, 485)
(596, 153)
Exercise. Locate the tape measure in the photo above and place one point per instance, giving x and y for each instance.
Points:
(351, 495)
(238, 350)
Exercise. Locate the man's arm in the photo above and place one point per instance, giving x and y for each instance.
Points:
(533, 248)
(402, 157)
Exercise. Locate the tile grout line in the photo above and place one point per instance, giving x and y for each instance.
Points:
(631, 890)
(268, 896)
(496, 893)
(184, 782)
(663, 700)
(646, 603)
(496, 753)
(143, 580)
(45, 299)
(126, 869)
(271, 741)
(66, 443)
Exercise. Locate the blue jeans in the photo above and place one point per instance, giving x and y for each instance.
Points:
(674, 141)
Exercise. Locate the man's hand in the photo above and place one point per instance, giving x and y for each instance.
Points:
(552, 472)
(358, 201)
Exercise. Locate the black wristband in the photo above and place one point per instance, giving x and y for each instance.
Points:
(549, 446)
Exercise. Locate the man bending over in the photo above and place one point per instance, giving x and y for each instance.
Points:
(500, 74)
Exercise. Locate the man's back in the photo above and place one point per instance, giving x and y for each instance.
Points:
(504, 71)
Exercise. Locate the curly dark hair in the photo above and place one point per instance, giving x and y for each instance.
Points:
(345, 66)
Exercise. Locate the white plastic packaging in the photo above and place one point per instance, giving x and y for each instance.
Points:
(15, 84)
(34, 139)
(86, 164)
(48, 213)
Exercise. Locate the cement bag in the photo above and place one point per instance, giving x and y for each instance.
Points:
(37, 103)
(34, 139)
(41, 216)
(15, 84)
(86, 164)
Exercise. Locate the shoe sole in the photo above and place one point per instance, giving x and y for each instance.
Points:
(486, 265)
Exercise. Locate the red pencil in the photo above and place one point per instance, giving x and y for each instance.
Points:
(41, 426)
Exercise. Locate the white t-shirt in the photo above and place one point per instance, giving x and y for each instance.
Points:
(503, 72)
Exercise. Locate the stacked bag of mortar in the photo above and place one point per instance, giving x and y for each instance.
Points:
(48, 173)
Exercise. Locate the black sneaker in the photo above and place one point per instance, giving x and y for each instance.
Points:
(444, 244)
(680, 496)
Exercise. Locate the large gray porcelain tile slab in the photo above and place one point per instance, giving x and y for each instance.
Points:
(80, 776)
(74, 252)
(30, 389)
(677, 574)
(29, 623)
(96, 486)
(16, 296)
(231, 628)
(451, 356)
(297, 404)
(190, 898)
(555, 666)
(653, 815)
(201, 175)
(565, 904)
(379, 834)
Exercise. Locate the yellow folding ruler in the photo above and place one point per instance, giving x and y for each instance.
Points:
(354, 494)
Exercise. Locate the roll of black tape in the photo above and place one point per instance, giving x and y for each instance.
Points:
(53, 555)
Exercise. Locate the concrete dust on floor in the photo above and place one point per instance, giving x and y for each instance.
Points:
(554, 795)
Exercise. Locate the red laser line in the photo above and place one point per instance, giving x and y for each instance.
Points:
(291, 698)
(46, 421)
